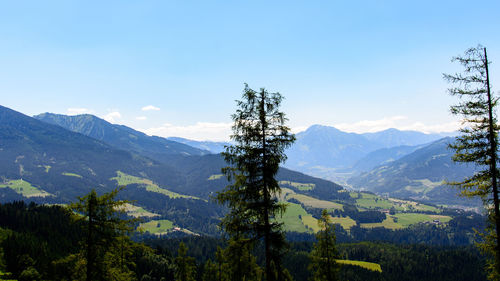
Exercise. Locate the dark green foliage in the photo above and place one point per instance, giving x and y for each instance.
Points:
(324, 254)
(45, 241)
(185, 266)
(106, 249)
(260, 137)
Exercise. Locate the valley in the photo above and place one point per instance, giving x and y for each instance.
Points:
(183, 177)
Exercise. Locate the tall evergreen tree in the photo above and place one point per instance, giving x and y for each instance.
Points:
(324, 254)
(103, 225)
(260, 137)
(478, 142)
(185, 266)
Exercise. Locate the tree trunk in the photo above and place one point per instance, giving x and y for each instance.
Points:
(493, 166)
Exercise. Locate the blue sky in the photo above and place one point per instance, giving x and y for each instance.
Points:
(176, 67)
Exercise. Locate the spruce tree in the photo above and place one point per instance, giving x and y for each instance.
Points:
(324, 254)
(260, 137)
(478, 143)
(185, 266)
(104, 229)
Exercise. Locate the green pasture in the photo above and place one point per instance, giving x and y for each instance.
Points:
(346, 222)
(138, 212)
(293, 219)
(72, 175)
(370, 201)
(298, 185)
(387, 223)
(156, 226)
(407, 219)
(364, 264)
(24, 188)
(215, 177)
(123, 179)
(315, 203)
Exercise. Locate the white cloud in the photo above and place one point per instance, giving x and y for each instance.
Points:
(77, 111)
(397, 122)
(436, 128)
(298, 129)
(112, 116)
(141, 118)
(198, 131)
(150, 108)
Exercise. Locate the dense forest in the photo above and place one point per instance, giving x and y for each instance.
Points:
(42, 242)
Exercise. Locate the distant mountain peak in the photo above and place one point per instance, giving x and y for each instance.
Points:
(121, 136)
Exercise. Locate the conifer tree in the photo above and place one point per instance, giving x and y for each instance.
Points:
(185, 266)
(103, 225)
(324, 254)
(240, 264)
(478, 143)
(260, 137)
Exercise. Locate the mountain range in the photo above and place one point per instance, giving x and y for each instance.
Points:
(49, 163)
(420, 175)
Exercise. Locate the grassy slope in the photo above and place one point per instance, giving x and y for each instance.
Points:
(407, 219)
(24, 188)
(364, 264)
(157, 226)
(138, 212)
(123, 179)
(298, 185)
(72, 175)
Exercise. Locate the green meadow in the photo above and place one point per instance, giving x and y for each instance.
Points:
(296, 218)
(316, 203)
(156, 226)
(24, 188)
(298, 185)
(72, 175)
(123, 180)
(215, 177)
(364, 264)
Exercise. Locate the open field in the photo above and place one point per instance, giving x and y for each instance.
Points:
(423, 186)
(123, 179)
(215, 177)
(292, 219)
(371, 201)
(407, 219)
(298, 185)
(387, 223)
(138, 212)
(315, 203)
(346, 222)
(24, 188)
(46, 167)
(364, 264)
(156, 226)
(409, 205)
(72, 175)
